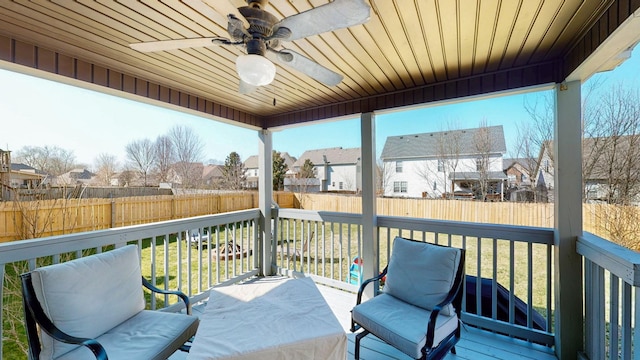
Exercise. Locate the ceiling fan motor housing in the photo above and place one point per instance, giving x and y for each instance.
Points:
(260, 22)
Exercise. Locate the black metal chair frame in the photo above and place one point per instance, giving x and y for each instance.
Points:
(34, 315)
(454, 297)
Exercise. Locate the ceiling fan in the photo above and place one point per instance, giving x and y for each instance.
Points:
(260, 34)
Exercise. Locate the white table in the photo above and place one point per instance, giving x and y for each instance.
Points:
(271, 318)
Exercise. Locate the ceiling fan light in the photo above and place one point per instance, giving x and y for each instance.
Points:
(255, 70)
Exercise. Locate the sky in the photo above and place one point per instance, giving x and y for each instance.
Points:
(90, 123)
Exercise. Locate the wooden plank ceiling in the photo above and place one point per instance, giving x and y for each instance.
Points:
(409, 52)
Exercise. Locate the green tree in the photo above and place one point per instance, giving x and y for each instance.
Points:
(233, 172)
(306, 171)
(279, 170)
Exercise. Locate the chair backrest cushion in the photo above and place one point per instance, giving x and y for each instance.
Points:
(421, 274)
(88, 296)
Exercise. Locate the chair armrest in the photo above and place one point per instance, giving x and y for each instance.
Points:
(180, 294)
(451, 296)
(366, 282)
(32, 305)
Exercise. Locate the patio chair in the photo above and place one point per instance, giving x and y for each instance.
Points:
(418, 311)
(94, 307)
(291, 252)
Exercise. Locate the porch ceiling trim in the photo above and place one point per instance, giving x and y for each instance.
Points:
(35, 51)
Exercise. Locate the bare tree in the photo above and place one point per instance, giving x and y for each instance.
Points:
(165, 157)
(483, 144)
(52, 160)
(446, 160)
(384, 176)
(610, 162)
(189, 153)
(106, 168)
(141, 157)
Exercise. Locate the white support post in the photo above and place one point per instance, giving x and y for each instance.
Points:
(265, 190)
(567, 149)
(370, 242)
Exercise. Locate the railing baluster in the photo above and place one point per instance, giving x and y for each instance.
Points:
(479, 276)
(512, 273)
(549, 288)
(626, 322)
(529, 285)
(614, 316)
(153, 270)
(494, 282)
(165, 247)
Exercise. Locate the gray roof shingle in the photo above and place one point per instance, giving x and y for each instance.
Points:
(335, 156)
(429, 144)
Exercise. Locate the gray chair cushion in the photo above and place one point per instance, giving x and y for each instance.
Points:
(147, 335)
(88, 296)
(411, 274)
(401, 324)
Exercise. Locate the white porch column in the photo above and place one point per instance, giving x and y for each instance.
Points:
(370, 248)
(265, 190)
(567, 150)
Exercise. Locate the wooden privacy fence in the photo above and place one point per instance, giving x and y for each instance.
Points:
(32, 219)
(25, 220)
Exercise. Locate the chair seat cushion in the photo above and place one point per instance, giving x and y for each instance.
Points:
(401, 324)
(147, 335)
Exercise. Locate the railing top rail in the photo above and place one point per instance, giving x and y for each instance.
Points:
(619, 260)
(493, 231)
(325, 216)
(34, 248)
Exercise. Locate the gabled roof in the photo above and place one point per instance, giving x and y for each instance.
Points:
(252, 161)
(25, 168)
(334, 156)
(442, 143)
(524, 162)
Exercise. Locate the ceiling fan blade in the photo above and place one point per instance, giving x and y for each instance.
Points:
(161, 45)
(306, 66)
(226, 7)
(246, 88)
(328, 17)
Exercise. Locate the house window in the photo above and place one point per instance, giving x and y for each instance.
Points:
(440, 165)
(481, 164)
(398, 166)
(523, 177)
(399, 186)
(546, 165)
(333, 184)
(340, 185)
(435, 186)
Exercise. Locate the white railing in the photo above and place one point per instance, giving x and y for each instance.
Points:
(514, 263)
(611, 290)
(187, 254)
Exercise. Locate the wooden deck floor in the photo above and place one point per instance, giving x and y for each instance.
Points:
(474, 344)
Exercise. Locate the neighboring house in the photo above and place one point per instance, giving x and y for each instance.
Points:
(74, 177)
(518, 172)
(251, 172)
(519, 181)
(544, 178)
(302, 185)
(16, 179)
(337, 169)
(611, 171)
(457, 163)
(212, 176)
(251, 169)
(25, 177)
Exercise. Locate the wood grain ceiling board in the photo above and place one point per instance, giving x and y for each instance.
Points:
(408, 51)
